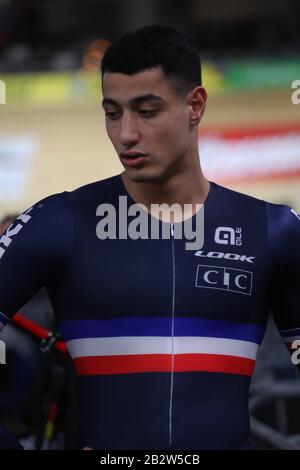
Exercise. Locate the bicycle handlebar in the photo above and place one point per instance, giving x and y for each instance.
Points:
(38, 331)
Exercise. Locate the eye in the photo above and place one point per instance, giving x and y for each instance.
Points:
(113, 115)
(146, 112)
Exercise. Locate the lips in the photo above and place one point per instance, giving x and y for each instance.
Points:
(133, 158)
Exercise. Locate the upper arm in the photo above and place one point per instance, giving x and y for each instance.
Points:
(284, 239)
(34, 250)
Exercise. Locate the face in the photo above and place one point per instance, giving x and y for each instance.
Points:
(151, 126)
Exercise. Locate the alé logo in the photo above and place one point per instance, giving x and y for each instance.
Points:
(228, 236)
(13, 230)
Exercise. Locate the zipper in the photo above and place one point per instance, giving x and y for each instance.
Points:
(172, 328)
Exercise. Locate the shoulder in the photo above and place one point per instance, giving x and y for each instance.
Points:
(283, 227)
(282, 217)
(279, 216)
(236, 195)
(61, 202)
(102, 190)
(281, 221)
(42, 213)
(234, 202)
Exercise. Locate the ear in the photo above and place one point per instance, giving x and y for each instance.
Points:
(196, 101)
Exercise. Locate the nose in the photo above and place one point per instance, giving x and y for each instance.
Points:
(129, 133)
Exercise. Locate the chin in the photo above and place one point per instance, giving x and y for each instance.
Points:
(143, 176)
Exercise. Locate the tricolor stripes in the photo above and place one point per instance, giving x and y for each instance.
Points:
(139, 345)
(289, 336)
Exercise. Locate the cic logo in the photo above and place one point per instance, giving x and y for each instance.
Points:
(222, 278)
(228, 236)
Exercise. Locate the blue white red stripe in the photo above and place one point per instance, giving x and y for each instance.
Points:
(135, 345)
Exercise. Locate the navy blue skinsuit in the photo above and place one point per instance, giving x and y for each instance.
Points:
(163, 339)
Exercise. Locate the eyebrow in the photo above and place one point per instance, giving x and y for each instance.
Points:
(134, 101)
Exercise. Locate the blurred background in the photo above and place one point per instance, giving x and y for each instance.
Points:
(52, 132)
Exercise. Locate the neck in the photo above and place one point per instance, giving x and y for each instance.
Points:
(185, 187)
